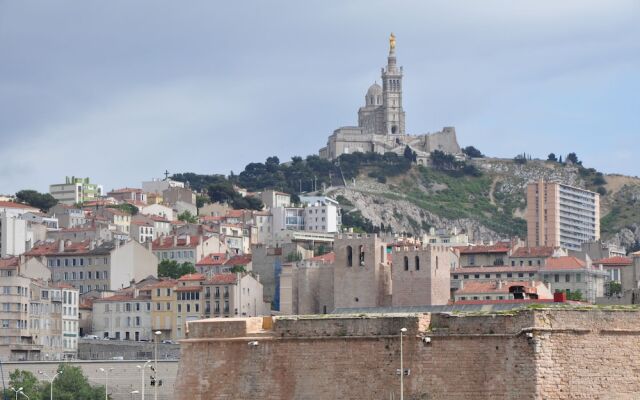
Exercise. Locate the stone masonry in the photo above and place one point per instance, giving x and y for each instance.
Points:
(530, 354)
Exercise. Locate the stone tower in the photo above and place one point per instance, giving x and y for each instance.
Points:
(392, 93)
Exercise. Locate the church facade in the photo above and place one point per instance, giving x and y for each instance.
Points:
(381, 123)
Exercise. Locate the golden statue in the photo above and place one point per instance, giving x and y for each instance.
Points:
(392, 41)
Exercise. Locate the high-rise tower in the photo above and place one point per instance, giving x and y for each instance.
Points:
(392, 93)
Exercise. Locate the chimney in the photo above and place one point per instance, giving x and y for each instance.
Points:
(61, 246)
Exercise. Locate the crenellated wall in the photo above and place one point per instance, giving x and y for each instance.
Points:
(530, 354)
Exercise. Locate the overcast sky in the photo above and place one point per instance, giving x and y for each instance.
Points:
(119, 91)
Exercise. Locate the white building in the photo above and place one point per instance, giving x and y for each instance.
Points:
(287, 218)
(322, 214)
(160, 211)
(75, 190)
(70, 328)
(124, 316)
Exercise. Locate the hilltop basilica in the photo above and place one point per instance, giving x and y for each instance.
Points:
(381, 126)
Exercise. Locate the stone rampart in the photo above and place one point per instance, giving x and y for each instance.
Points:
(530, 354)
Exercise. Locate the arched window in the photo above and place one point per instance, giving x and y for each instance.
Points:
(349, 256)
(417, 263)
(406, 263)
(436, 262)
(361, 248)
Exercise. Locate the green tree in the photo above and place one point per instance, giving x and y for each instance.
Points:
(71, 384)
(573, 158)
(171, 269)
(187, 217)
(613, 288)
(25, 380)
(575, 295)
(201, 200)
(238, 269)
(125, 207)
(42, 201)
(472, 152)
(552, 157)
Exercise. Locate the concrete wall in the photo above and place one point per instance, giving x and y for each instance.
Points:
(531, 354)
(123, 379)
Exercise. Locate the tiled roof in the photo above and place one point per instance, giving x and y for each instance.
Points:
(492, 287)
(9, 263)
(11, 204)
(566, 262)
(142, 223)
(239, 260)
(167, 283)
(72, 248)
(213, 259)
(222, 279)
(617, 260)
(192, 277)
(234, 213)
(166, 242)
(480, 249)
(125, 190)
(328, 258)
(533, 252)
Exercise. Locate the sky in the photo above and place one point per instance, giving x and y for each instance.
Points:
(121, 91)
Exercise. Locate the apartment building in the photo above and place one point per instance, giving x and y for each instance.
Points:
(91, 265)
(322, 214)
(129, 195)
(503, 290)
(561, 215)
(186, 248)
(123, 316)
(75, 190)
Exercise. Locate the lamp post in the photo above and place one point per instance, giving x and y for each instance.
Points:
(402, 331)
(24, 394)
(155, 367)
(51, 379)
(106, 382)
(16, 391)
(142, 368)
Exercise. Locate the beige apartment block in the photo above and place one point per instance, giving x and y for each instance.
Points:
(561, 215)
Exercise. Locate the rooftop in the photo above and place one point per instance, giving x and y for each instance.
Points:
(533, 252)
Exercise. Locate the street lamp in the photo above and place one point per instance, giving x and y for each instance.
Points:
(155, 367)
(142, 368)
(16, 390)
(402, 331)
(24, 394)
(51, 381)
(106, 385)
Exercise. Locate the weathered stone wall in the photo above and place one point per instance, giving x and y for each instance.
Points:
(123, 379)
(531, 354)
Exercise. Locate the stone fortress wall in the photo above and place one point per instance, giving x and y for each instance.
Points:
(527, 354)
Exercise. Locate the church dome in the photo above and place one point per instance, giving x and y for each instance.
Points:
(374, 95)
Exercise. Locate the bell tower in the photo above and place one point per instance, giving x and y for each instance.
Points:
(392, 93)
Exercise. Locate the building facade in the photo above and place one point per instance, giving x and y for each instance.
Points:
(76, 190)
(561, 215)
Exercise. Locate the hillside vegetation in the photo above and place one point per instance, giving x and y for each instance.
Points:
(484, 197)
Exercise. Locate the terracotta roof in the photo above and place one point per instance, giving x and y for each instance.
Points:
(213, 259)
(492, 287)
(211, 218)
(234, 213)
(328, 258)
(167, 283)
(533, 252)
(495, 248)
(9, 263)
(617, 260)
(566, 262)
(11, 204)
(222, 279)
(491, 269)
(239, 260)
(157, 218)
(143, 223)
(166, 242)
(192, 277)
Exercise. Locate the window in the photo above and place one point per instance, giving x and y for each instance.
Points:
(531, 274)
(417, 263)
(578, 277)
(465, 276)
(509, 275)
(349, 256)
(179, 307)
(513, 263)
(530, 263)
(487, 276)
(520, 275)
(455, 276)
(361, 255)
(567, 278)
(477, 276)
(406, 263)
(188, 307)
(556, 278)
(498, 275)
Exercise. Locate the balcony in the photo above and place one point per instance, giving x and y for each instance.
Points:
(226, 295)
(207, 295)
(217, 295)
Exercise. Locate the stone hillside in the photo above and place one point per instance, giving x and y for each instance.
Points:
(490, 206)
